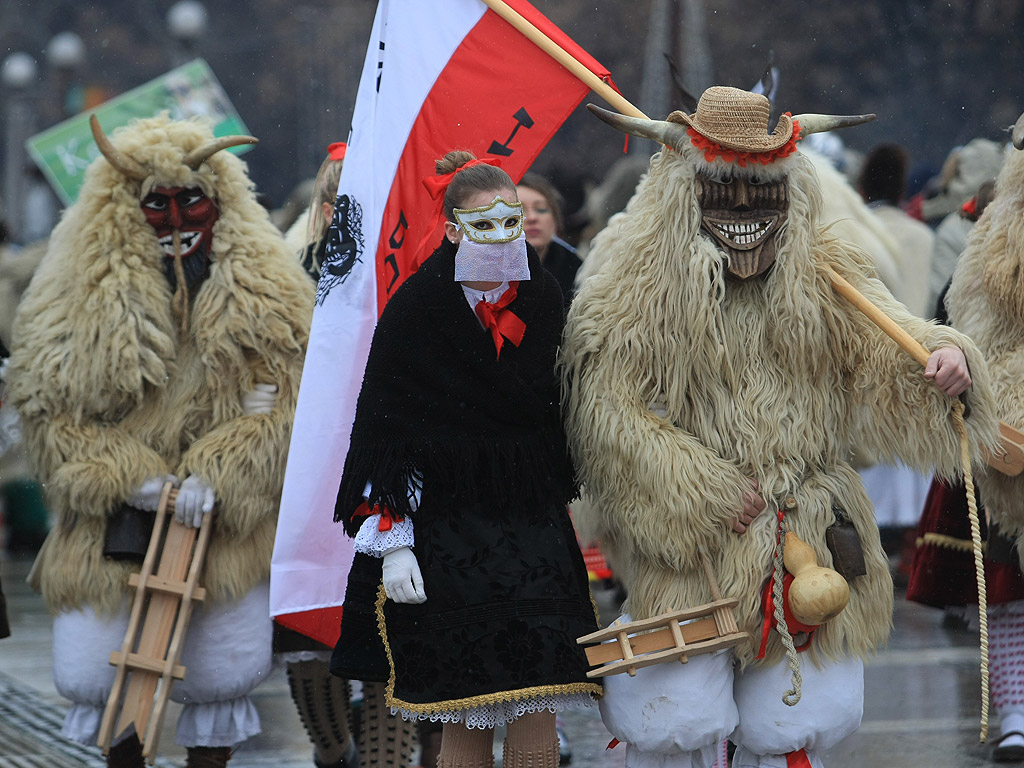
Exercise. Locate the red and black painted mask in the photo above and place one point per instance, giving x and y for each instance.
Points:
(743, 214)
(190, 213)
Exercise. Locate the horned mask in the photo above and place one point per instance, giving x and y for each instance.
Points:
(181, 214)
(742, 187)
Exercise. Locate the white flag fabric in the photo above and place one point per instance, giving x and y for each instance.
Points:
(448, 74)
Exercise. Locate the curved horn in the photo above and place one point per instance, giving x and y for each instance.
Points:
(198, 156)
(661, 131)
(121, 162)
(1018, 133)
(811, 123)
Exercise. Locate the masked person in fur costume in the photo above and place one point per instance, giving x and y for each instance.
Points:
(986, 300)
(165, 297)
(714, 385)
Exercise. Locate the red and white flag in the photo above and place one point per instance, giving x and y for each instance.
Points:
(440, 75)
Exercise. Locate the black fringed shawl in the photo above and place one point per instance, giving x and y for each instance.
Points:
(436, 399)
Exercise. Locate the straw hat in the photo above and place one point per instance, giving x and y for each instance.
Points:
(736, 119)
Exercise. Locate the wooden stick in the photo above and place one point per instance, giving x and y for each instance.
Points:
(908, 343)
(149, 744)
(117, 691)
(555, 51)
(1009, 458)
(161, 615)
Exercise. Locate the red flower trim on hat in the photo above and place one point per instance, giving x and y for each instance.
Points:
(712, 150)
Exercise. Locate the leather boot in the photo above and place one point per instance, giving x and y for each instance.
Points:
(127, 754)
(207, 757)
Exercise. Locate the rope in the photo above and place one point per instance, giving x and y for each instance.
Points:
(791, 697)
(979, 565)
(179, 302)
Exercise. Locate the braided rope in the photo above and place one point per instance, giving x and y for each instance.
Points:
(979, 565)
(791, 697)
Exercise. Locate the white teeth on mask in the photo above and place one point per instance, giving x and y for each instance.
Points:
(744, 233)
(189, 240)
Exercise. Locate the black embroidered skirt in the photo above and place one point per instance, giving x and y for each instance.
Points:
(506, 599)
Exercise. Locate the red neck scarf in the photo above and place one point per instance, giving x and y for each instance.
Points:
(501, 321)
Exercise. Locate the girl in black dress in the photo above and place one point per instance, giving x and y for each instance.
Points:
(456, 485)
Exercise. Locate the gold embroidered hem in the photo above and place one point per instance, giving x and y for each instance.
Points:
(947, 542)
(537, 692)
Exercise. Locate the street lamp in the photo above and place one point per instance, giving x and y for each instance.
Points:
(17, 73)
(186, 21)
(64, 53)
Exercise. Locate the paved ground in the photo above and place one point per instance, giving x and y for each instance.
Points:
(922, 702)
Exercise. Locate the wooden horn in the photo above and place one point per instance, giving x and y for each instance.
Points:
(660, 131)
(198, 156)
(122, 162)
(811, 123)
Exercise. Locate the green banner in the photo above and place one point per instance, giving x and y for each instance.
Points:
(64, 151)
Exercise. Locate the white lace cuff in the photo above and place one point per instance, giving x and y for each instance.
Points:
(374, 542)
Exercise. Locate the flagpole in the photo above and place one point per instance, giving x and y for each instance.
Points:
(555, 51)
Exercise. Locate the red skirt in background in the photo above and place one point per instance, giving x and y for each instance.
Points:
(943, 572)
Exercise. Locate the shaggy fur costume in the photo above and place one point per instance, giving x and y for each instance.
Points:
(767, 379)
(111, 392)
(986, 301)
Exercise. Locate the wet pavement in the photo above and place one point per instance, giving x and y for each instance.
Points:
(922, 701)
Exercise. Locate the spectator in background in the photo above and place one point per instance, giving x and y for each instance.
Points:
(383, 740)
(950, 239)
(965, 169)
(542, 207)
(897, 492)
(882, 184)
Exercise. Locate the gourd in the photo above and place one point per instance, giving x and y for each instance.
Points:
(817, 594)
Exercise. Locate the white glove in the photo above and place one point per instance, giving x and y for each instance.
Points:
(260, 400)
(403, 582)
(147, 496)
(195, 499)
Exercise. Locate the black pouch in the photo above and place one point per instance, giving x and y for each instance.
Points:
(128, 533)
(1000, 548)
(843, 542)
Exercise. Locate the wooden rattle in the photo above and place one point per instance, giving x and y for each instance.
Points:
(817, 594)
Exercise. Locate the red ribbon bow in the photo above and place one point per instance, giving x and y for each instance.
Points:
(501, 322)
(436, 186)
(387, 517)
(337, 150)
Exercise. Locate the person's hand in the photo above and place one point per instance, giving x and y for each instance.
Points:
(753, 505)
(403, 582)
(260, 400)
(147, 496)
(195, 499)
(947, 367)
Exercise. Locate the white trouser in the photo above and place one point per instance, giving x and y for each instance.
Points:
(673, 715)
(227, 652)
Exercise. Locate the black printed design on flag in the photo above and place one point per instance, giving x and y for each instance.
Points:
(344, 247)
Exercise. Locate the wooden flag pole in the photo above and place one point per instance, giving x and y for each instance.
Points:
(559, 54)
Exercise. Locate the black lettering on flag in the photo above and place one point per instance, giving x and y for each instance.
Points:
(523, 120)
(390, 259)
(396, 240)
(380, 64)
